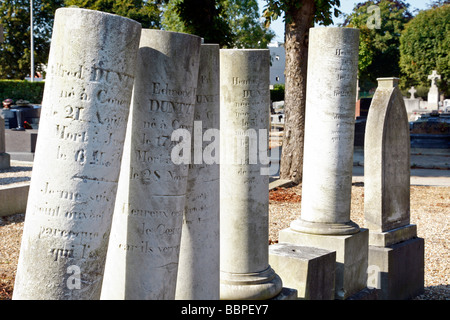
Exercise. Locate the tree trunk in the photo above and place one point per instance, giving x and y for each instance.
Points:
(296, 45)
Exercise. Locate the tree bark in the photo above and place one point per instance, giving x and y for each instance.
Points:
(296, 45)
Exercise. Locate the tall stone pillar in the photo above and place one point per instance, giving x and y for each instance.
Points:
(329, 132)
(144, 246)
(198, 271)
(244, 181)
(78, 155)
(328, 158)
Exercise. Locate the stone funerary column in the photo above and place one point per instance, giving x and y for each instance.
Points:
(198, 272)
(244, 181)
(78, 155)
(328, 158)
(329, 132)
(144, 246)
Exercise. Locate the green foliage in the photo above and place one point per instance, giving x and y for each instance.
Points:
(277, 93)
(424, 47)
(15, 51)
(325, 9)
(379, 53)
(22, 89)
(205, 18)
(248, 31)
(148, 13)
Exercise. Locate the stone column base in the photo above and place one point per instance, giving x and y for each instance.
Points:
(311, 271)
(351, 257)
(397, 270)
(324, 228)
(250, 286)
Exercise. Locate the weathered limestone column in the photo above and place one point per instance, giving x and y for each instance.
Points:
(198, 271)
(144, 245)
(78, 155)
(329, 132)
(244, 181)
(396, 254)
(328, 158)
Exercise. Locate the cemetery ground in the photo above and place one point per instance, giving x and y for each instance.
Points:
(430, 208)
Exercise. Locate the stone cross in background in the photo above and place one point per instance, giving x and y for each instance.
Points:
(433, 94)
(412, 91)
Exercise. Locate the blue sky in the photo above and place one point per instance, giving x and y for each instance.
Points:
(346, 7)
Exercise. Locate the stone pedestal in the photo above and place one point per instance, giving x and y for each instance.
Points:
(78, 155)
(244, 183)
(198, 271)
(4, 157)
(311, 271)
(397, 270)
(396, 255)
(351, 257)
(144, 246)
(329, 132)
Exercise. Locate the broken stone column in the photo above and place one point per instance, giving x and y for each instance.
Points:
(78, 155)
(245, 272)
(328, 158)
(396, 254)
(198, 271)
(144, 246)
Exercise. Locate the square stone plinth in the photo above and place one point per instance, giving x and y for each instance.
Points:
(351, 257)
(387, 238)
(397, 270)
(311, 271)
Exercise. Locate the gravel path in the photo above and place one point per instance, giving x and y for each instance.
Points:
(430, 209)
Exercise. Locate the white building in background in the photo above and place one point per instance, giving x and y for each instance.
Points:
(278, 60)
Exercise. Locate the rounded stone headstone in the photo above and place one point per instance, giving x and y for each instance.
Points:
(78, 155)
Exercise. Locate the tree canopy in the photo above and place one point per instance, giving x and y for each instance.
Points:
(147, 13)
(381, 23)
(424, 46)
(15, 51)
(230, 23)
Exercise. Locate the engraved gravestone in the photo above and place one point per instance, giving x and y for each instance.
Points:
(78, 155)
(144, 245)
(244, 181)
(328, 154)
(396, 254)
(328, 158)
(198, 271)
